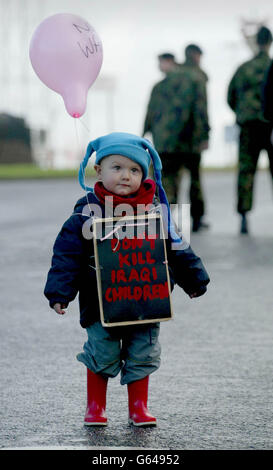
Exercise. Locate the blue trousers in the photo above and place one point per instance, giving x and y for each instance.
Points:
(132, 350)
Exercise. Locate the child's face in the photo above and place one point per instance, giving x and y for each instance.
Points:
(119, 174)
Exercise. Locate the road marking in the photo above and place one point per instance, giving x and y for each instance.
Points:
(78, 448)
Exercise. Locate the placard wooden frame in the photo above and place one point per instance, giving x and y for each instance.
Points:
(98, 269)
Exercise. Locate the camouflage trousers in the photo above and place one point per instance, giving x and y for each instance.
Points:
(173, 165)
(254, 137)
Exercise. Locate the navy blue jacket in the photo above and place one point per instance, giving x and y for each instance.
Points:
(72, 268)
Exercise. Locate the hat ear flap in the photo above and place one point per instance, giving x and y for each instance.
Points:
(167, 217)
(90, 149)
(153, 154)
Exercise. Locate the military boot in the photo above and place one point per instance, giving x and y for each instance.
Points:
(244, 224)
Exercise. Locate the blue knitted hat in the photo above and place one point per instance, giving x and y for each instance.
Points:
(128, 145)
(139, 150)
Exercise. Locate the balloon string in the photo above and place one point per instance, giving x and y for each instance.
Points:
(77, 134)
(84, 125)
(81, 166)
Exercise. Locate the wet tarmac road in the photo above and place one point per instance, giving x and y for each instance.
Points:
(214, 387)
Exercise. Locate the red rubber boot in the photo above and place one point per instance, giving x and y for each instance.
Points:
(137, 401)
(96, 400)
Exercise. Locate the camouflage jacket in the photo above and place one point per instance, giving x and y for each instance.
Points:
(267, 94)
(245, 89)
(188, 65)
(177, 113)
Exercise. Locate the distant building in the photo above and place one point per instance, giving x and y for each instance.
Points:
(15, 142)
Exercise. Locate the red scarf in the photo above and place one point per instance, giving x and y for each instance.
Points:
(144, 194)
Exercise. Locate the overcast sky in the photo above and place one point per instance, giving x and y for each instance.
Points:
(133, 33)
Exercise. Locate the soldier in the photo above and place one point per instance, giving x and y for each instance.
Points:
(193, 55)
(167, 63)
(245, 99)
(178, 121)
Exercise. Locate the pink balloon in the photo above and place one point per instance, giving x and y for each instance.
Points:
(66, 54)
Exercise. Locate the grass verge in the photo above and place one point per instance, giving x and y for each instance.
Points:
(30, 171)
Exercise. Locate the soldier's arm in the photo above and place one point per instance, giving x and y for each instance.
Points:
(267, 95)
(200, 110)
(231, 93)
(150, 112)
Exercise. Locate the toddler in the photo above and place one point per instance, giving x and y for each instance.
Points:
(122, 165)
